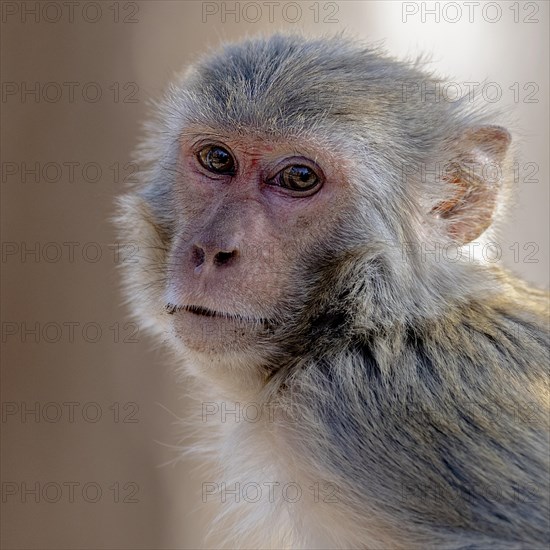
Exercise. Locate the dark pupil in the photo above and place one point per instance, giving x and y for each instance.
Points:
(299, 177)
(219, 160)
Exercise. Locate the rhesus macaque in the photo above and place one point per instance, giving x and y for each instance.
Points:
(307, 221)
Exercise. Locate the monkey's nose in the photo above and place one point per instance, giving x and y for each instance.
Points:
(198, 255)
(217, 257)
(224, 258)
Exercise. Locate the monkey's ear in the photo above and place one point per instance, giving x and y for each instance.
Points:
(473, 178)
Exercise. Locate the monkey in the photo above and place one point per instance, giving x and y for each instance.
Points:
(306, 220)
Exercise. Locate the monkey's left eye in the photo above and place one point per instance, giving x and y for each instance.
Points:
(298, 178)
(217, 159)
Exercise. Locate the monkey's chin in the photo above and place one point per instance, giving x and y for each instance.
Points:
(215, 333)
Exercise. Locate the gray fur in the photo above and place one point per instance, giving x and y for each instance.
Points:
(419, 388)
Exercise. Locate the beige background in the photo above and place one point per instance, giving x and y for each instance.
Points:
(52, 289)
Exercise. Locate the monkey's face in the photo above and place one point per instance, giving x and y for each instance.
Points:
(248, 214)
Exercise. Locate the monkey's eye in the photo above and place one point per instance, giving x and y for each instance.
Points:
(216, 159)
(298, 178)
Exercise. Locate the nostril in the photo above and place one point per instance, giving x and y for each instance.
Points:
(223, 258)
(198, 256)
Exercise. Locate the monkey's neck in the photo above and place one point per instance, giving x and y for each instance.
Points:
(327, 332)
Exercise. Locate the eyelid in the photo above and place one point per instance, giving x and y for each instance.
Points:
(206, 141)
(203, 143)
(296, 161)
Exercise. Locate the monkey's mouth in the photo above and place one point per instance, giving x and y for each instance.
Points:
(205, 312)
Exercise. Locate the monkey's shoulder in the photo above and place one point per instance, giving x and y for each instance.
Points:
(453, 414)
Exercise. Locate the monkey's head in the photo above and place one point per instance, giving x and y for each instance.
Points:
(288, 187)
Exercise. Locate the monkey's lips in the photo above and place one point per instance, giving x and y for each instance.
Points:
(209, 332)
(205, 312)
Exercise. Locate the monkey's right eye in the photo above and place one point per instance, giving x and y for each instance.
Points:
(216, 159)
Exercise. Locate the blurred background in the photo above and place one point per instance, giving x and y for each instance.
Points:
(89, 403)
